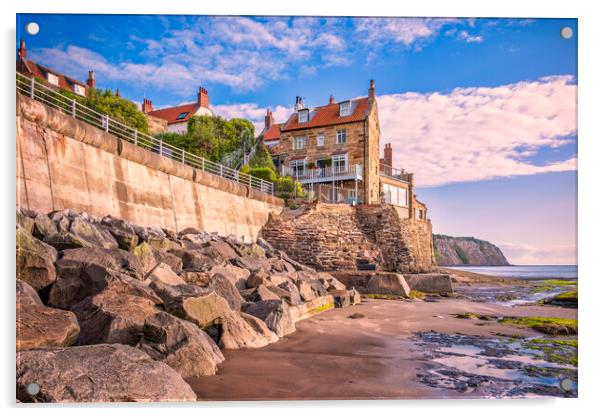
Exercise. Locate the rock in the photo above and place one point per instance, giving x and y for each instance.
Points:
(44, 226)
(257, 278)
(430, 282)
(35, 260)
(190, 230)
(311, 308)
(259, 326)
(98, 373)
(173, 296)
(236, 275)
(195, 260)
(252, 262)
(354, 296)
(265, 245)
(341, 298)
(163, 273)
(111, 317)
(280, 321)
(39, 326)
(81, 234)
(26, 295)
(224, 288)
(388, 284)
(220, 251)
(205, 311)
(328, 281)
(24, 221)
(288, 291)
(238, 333)
(305, 290)
(150, 257)
(261, 292)
(124, 233)
(154, 236)
(181, 345)
(279, 265)
(261, 309)
(87, 271)
(194, 241)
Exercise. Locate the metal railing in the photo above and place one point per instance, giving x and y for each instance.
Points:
(326, 173)
(31, 88)
(393, 173)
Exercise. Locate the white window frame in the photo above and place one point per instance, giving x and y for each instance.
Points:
(320, 140)
(295, 164)
(336, 159)
(52, 79)
(299, 142)
(303, 116)
(341, 136)
(79, 90)
(344, 108)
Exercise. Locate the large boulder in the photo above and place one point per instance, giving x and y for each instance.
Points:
(224, 288)
(39, 326)
(163, 273)
(388, 284)
(342, 298)
(237, 275)
(252, 262)
(205, 311)
(124, 233)
(275, 314)
(98, 373)
(150, 256)
(82, 233)
(35, 260)
(44, 226)
(430, 282)
(111, 317)
(238, 332)
(181, 345)
(194, 260)
(287, 291)
(259, 326)
(87, 271)
(173, 297)
(25, 221)
(220, 250)
(154, 236)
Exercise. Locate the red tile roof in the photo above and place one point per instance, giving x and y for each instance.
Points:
(273, 133)
(328, 115)
(171, 113)
(36, 70)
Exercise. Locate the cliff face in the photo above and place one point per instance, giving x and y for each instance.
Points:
(466, 251)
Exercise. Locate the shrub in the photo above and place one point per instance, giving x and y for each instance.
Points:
(262, 158)
(246, 169)
(266, 174)
(118, 108)
(285, 187)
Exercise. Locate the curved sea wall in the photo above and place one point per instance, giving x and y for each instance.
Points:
(65, 163)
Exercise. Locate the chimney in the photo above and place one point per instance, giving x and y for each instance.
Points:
(298, 103)
(203, 98)
(269, 120)
(91, 82)
(147, 106)
(117, 93)
(22, 49)
(331, 100)
(371, 91)
(388, 159)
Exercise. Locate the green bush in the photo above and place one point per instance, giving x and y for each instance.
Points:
(246, 169)
(120, 109)
(285, 187)
(262, 159)
(266, 174)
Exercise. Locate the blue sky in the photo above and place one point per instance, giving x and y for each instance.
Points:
(482, 110)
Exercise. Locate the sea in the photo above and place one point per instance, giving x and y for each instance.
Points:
(524, 272)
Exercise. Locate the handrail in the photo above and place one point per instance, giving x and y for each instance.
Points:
(32, 88)
(394, 173)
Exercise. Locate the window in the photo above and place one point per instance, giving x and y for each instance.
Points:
(53, 79)
(339, 163)
(298, 167)
(345, 108)
(303, 116)
(299, 143)
(341, 136)
(182, 115)
(320, 140)
(352, 194)
(79, 90)
(419, 213)
(395, 195)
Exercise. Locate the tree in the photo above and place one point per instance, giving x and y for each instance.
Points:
(262, 158)
(120, 109)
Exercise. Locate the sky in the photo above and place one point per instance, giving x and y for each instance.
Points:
(483, 111)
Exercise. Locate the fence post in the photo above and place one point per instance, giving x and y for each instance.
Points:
(32, 87)
(73, 104)
(221, 170)
(161, 147)
(107, 124)
(136, 137)
(183, 156)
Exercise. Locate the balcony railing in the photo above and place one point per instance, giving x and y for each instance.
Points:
(393, 173)
(31, 88)
(327, 174)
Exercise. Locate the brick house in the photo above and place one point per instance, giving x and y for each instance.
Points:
(175, 119)
(50, 77)
(333, 150)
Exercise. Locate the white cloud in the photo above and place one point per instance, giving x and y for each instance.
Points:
(473, 134)
(468, 38)
(525, 254)
(406, 31)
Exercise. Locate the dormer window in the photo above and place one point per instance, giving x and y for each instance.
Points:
(303, 116)
(79, 90)
(345, 108)
(53, 79)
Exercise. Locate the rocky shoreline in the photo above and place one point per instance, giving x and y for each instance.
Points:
(109, 311)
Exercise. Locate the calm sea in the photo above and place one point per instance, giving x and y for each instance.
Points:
(525, 272)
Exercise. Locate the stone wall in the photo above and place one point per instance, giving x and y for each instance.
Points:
(342, 237)
(65, 163)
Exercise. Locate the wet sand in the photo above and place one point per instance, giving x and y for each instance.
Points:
(331, 356)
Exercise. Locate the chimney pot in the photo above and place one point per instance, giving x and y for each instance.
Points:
(22, 49)
(388, 154)
(331, 100)
(203, 97)
(269, 119)
(371, 90)
(91, 82)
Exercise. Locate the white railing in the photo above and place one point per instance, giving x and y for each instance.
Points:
(30, 87)
(394, 173)
(326, 173)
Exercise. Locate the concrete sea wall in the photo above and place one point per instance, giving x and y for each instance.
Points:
(65, 163)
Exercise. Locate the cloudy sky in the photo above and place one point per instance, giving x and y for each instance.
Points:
(483, 111)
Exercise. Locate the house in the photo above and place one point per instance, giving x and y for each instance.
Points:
(52, 78)
(177, 117)
(333, 150)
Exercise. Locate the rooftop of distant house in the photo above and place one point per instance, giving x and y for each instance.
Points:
(180, 113)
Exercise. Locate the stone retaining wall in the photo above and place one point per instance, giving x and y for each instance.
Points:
(65, 163)
(342, 237)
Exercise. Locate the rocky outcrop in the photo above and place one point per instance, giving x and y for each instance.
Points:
(179, 298)
(98, 373)
(466, 251)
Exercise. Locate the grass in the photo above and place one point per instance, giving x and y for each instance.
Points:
(544, 324)
(416, 294)
(553, 284)
(382, 296)
(567, 296)
(555, 350)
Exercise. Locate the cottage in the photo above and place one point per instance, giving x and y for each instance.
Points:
(176, 118)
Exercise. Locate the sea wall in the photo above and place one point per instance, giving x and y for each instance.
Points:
(65, 163)
(341, 237)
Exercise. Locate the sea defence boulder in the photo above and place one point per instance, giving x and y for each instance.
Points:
(370, 282)
(430, 282)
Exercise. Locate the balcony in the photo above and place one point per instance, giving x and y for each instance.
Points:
(323, 175)
(393, 173)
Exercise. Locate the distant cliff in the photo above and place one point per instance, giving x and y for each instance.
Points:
(466, 251)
